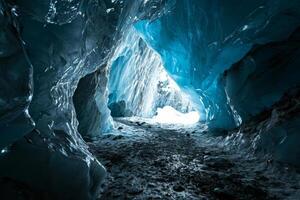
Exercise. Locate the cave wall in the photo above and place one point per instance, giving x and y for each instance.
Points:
(53, 64)
(138, 82)
(263, 75)
(264, 88)
(46, 48)
(238, 64)
(90, 101)
(240, 58)
(199, 40)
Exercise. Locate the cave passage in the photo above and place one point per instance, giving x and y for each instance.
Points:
(149, 99)
(139, 85)
(162, 147)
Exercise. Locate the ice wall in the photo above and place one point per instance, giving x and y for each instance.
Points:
(47, 46)
(264, 88)
(241, 58)
(236, 57)
(199, 40)
(138, 82)
(53, 64)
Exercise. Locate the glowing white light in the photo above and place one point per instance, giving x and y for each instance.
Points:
(168, 115)
(142, 81)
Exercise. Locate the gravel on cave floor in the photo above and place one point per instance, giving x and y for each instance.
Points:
(147, 161)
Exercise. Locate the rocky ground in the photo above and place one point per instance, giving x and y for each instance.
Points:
(146, 161)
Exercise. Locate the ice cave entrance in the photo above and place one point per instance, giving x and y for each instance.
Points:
(139, 85)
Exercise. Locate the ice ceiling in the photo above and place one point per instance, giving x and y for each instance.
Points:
(63, 63)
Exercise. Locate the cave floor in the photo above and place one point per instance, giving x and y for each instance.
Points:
(146, 161)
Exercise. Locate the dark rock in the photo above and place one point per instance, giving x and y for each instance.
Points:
(178, 188)
(118, 109)
(140, 123)
(135, 190)
(118, 137)
(151, 185)
(223, 194)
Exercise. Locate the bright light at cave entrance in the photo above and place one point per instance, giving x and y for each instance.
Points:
(168, 115)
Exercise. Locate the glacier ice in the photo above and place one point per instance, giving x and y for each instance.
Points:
(46, 48)
(50, 48)
(275, 98)
(139, 83)
(199, 40)
(62, 63)
(238, 67)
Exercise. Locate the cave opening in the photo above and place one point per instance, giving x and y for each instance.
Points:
(140, 86)
(149, 99)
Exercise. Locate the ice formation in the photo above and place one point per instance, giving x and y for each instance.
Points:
(238, 67)
(54, 56)
(139, 80)
(63, 63)
(46, 48)
(199, 40)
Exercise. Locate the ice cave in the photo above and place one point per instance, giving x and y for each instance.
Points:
(149, 99)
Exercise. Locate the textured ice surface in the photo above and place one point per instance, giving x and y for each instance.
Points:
(236, 59)
(273, 133)
(238, 64)
(46, 48)
(199, 40)
(239, 58)
(139, 80)
(53, 57)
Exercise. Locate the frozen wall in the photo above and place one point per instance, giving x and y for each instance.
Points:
(241, 58)
(46, 48)
(138, 82)
(53, 64)
(264, 88)
(199, 40)
(236, 57)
